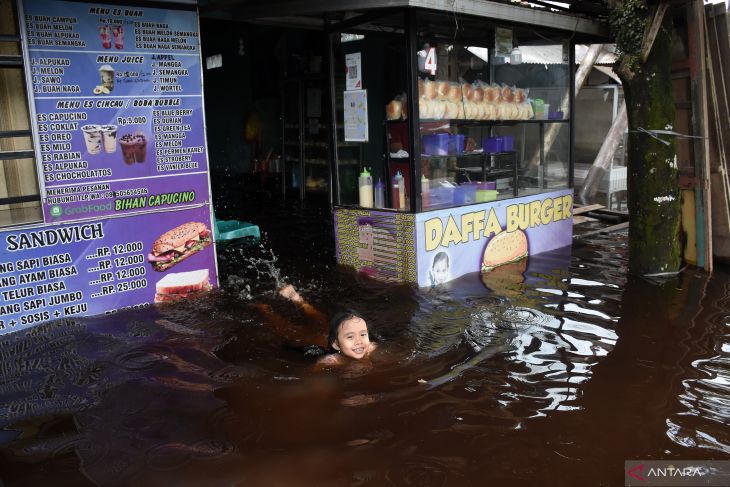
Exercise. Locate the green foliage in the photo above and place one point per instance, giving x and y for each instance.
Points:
(628, 23)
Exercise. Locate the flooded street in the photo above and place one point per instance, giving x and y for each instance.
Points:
(549, 372)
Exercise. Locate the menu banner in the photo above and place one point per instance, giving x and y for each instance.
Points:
(97, 267)
(118, 108)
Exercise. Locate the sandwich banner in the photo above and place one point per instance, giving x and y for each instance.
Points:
(98, 267)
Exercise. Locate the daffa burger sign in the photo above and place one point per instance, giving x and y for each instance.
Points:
(484, 237)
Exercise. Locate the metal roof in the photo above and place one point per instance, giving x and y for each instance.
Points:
(584, 19)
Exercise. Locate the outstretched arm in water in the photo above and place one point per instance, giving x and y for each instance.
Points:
(296, 334)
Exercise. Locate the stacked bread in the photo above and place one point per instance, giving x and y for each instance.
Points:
(439, 100)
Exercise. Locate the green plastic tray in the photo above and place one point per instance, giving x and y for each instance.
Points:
(233, 229)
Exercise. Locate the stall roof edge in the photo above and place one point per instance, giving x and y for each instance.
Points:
(311, 14)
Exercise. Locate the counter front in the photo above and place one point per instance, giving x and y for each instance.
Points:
(434, 247)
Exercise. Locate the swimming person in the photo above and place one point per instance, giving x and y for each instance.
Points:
(349, 336)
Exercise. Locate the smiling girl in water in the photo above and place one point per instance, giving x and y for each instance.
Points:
(349, 336)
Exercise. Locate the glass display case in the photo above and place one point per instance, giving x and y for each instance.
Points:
(458, 111)
(304, 141)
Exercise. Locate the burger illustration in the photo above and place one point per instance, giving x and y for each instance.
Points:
(504, 248)
(178, 244)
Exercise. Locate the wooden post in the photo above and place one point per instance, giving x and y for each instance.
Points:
(605, 155)
(581, 75)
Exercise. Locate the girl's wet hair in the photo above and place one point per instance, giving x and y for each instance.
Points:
(340, 318)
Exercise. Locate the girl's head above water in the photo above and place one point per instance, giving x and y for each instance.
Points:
(349, 335)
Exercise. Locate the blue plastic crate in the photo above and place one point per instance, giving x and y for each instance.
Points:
(233, 229)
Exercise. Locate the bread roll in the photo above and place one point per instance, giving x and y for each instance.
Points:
(442, 90)
(466, 91)
(507, 94)
(394, 110)
(452, 110)
(429, 89)
(520, 95)
(454, 92)
(491, 93)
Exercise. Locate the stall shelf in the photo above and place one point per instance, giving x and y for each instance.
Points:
(483, 143)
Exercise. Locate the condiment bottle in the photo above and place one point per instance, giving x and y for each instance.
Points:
(425, 197)
(379, 194)
(365, 183)
(399, 192)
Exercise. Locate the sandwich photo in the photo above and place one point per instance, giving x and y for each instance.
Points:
(178, 244)
(182, 285)
(504, 248)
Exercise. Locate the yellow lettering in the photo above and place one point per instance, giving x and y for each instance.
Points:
(558, 209)
(517, 217)
(535, 213)
(478, 223)
(493, 226)
(568, 206)
(547, 211)
(433, 231)
(452, 233)
(471, 224)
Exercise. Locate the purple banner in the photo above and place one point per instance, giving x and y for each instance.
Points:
(491, 237)
(118, 107)
(95, 267)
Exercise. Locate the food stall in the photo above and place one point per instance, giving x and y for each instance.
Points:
(467, 152)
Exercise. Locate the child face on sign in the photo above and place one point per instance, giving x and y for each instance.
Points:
(440, 271)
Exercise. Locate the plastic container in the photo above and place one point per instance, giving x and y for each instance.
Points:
(485, 192)
(425, 191)
(365, 185)
(509, 143)
(436, 144)
(224, 230)
(440, 196)
(538, 108)
(465, 193)
(398, 192)
(456, 144)
(379, 194)
(555, 115)
(493, 144)
(545, 111)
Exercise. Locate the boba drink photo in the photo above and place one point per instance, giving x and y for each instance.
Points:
(134, 147)
(109, 138)
(92, 138)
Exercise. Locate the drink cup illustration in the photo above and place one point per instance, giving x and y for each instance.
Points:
(109, 138)
(106, 38)
(92, 137)
(119, 37)
(134, 147)
(107, 77)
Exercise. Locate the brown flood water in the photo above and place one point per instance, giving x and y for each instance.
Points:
(553, 373)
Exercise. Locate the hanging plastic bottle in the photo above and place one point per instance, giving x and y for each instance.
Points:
(379, 194)
(399, 192)
(365, 183)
